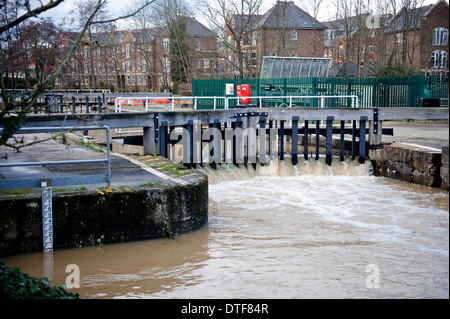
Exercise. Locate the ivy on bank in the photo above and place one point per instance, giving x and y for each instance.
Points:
(16, 285)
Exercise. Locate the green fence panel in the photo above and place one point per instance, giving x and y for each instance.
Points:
(391, 91)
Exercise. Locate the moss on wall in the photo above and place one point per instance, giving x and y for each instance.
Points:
(94, 218)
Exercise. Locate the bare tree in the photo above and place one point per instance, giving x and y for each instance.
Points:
(11, 18)
(238, 18)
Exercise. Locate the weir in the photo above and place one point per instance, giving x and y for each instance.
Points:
(257, 136)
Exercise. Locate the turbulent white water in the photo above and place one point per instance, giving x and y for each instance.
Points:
(281, 231)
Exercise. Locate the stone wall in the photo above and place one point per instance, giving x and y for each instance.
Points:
(444, 168)
(415, 165)
(95, 217)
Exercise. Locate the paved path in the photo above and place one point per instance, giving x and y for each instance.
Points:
(126, 171)
(429, 134)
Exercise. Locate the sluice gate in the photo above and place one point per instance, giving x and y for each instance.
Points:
(258, 135)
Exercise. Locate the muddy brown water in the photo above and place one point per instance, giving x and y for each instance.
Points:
(280, 232)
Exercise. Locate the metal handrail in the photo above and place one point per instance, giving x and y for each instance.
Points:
(7, 184)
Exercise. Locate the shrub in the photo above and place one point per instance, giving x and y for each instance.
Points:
(16, 285)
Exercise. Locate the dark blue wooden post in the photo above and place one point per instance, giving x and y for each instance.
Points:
(99, 104)
(317, 139)
(329, 140)
(353, 140)
(305, 141)
(342, 141)
(163, 139)
(362, 139)
(87, 104)
(282, 140)
(73, 104)
(295, 140)
(262, 140)
(190, 147)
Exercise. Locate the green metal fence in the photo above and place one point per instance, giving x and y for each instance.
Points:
(391, 91)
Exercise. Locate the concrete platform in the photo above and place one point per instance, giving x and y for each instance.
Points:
(126, 171)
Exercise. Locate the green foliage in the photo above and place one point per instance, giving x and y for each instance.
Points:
(16, 285)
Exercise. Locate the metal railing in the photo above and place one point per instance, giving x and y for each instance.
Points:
(288, 101)
(62, 180)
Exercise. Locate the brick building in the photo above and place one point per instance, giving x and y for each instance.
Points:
(135, 60)
(284, 30)
(415, 38)
(418, 37)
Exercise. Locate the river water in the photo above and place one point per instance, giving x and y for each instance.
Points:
(308, 231)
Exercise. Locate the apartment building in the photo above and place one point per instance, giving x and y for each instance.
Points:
(135, 60)
(284, 30)
(418, 37)
(415, 38)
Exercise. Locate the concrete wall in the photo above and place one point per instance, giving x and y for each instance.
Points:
(93, 217)
(406, 163)
(444, 168)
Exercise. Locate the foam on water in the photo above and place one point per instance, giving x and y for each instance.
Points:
(230, 172)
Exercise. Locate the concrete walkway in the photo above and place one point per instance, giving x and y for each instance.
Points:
(126, 171)
(427, 134)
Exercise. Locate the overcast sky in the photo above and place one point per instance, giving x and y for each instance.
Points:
(118, 7)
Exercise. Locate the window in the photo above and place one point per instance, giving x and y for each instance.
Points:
(254, 37)
(330, 35)
(166, 46)
(362, 63)
(293, 35)
(325, 53)
(341, 51)
(363, 49)
(85, 53)
(166, 64)
(99, 53)
(197, 45)
(371, 49)
(86, 67)
(229, 40)
(440, 36)
(128, 66)
(329, 52)
(144, 66)
(253, 60)
(128, 51)
(206, 64)
(399, 38)
(438, 59)
(372, 32)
